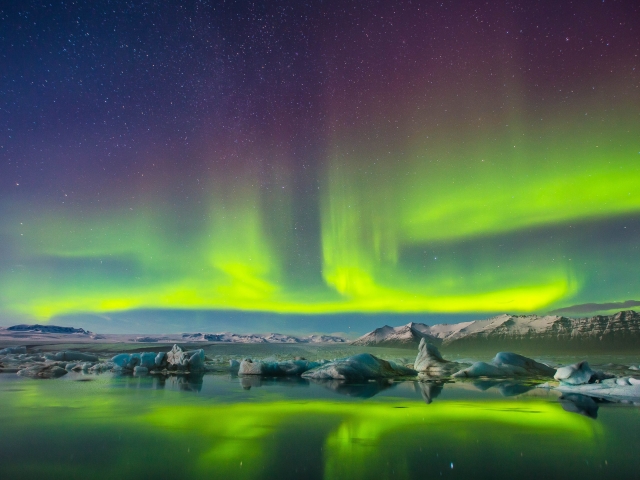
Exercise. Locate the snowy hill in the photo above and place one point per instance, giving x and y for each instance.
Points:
(406, 335)
(71, 334)
(622, 329)
(260, 338)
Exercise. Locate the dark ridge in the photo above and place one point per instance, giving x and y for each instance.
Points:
(47, 329)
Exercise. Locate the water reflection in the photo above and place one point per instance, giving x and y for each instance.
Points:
(279, 436)
(429, 390)
(192, 382)
(507, 388)
(359, 390)
(189, 383)
(249, 381)
(581, 404)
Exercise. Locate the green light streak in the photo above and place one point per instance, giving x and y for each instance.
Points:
(378, 207)
(357, 446)
(243, 440)
(554, 177)
(433, 192)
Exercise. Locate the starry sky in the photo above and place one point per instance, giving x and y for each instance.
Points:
(317, 166)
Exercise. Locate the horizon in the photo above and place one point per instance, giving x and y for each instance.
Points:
(362, 326)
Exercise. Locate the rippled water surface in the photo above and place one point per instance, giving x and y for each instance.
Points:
(223, 426)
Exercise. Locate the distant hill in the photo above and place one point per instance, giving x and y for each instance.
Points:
(47, 329)
(57, 333)
(607, 331)
(408, 335)
(259, 338)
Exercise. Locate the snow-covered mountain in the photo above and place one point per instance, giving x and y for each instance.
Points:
(621, 329)
(259, 338)
(406, 335)
(55, 332)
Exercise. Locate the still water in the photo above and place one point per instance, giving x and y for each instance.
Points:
(223, 426)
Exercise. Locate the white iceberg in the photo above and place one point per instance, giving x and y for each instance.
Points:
(430, 362)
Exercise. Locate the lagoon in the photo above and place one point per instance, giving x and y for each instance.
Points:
(223, 426)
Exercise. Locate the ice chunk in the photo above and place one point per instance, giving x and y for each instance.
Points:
(70, 355)
(13, 350)
(481, 369)
(576, 374)
(196, 359)
(608, 389)
(359, 367)
(506, 364)
(177, 357)
(276, 369)
(249, 367)
(430, 362)
(101, 367)
(134, 360)
(121, 360)
(42, 371)
(148, 359)
(515, 361)
(161, 359)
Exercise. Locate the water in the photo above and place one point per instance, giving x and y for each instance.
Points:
(222, 426)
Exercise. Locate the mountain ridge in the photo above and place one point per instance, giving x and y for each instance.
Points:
(56, 332)
(622, 328)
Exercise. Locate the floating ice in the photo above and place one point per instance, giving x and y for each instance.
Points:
(359, 367)
(70, 355)
(276, 369)
(578, 374)
(430, 362)
(506, 364)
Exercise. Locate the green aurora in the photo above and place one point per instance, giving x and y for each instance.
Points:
(435, 198)
(500, 176)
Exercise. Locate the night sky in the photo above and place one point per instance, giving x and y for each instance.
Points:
(289, 165)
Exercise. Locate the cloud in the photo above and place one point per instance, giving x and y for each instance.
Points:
(597, 307)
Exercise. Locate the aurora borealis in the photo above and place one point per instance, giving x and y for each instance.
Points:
(318, 158)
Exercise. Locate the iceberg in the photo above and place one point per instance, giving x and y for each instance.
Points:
(579, 374)
(361, 367)
(13, 350)
(42, 371)
(430, 362)
(174, 359)
(276, 369)
(615, 389)
(506, 364)
(70, 355)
